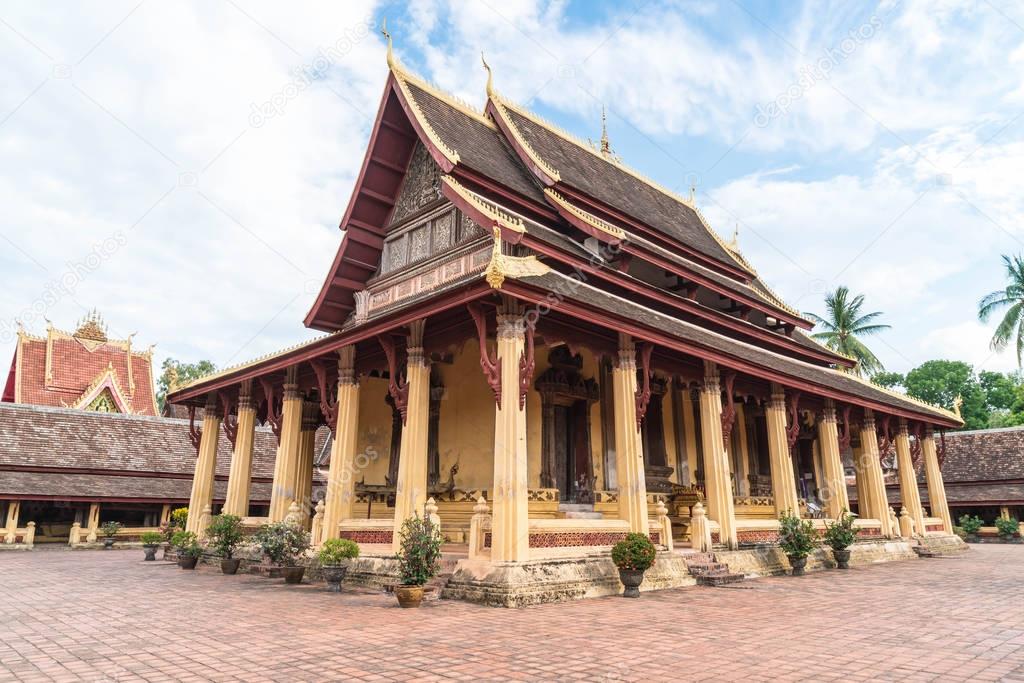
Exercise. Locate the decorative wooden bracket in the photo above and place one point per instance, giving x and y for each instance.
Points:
(273, 417)
(793, 430)
(328, 397)
(491, 368)
(527, 364)
(195, 434)
(915, 446)
(229, 421)
(941, 449)
(397, 387)
(643, 391)
(847, 434)
(729, 411)
(884, 441)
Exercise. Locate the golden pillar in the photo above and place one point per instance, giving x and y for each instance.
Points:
(834, 484)
(909, 493)
(874, 482)
(780, 460)
(739, 435)
(716, 460)
(629, 457)
(283, 491)
(304, 462)
(510, 539)
(206, 465)
(240, 475)
(689, 436)
(411, 487)
(933, 476)
(341, 477)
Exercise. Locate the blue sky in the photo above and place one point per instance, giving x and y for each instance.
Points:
(874, 145)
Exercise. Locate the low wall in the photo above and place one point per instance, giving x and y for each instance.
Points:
(769, 560)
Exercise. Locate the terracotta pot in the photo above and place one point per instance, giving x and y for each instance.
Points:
(188, 561)
(409, 596)
(798, 564)
(334, 574)
(230, 565)
(108, 543)
(631, 580)
(293, 574)
(150, 550)
(842, 558)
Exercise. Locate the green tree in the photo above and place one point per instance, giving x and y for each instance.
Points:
(941, 381)
(889, 380)
(1011, 327)
(843, 326)
(176, 374)
(1000, 388)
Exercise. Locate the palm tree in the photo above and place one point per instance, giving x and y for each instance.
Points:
(1011, 327)
(843, 327)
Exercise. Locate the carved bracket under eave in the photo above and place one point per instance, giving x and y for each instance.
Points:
(195, 434)
(273, 416)
(941, 450)
(328, 397)
(398, 387)
(491, 368)
(729, 409)
(793, 429)
(643, 391)
(884, 440)
(915, 445)
(527, 364)
(229, 421)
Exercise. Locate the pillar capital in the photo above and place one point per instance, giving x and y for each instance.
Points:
(511, 325)
(627, 352)
(347, 365)
(828, 413)
(711, 378)
(777, 401)
(868, 424)
(291, 383)
(245, 401)
(903, 431)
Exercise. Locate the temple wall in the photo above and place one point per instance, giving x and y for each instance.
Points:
(466, 426)
(374, 442)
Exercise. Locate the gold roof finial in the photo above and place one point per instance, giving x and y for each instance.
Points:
(734, 243)
(490, 76)
(693, 193)
(606, 148)
(387, 36)
(957, 402)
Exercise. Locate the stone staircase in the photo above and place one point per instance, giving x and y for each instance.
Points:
(437, 584)
(709, 571)
(578, 511)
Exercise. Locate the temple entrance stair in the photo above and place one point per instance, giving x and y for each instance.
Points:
(446, 567)
(578, 511)
(709, 571)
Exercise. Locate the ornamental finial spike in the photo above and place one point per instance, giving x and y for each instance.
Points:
(387, 36)
(734, 243)
(957, 403)
(490, 76)
(606, 148)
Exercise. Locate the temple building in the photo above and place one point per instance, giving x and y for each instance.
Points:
(552, 350)
(80, 442)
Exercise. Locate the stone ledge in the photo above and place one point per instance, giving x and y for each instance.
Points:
(769, 560)
(949, 544)
(555, 579)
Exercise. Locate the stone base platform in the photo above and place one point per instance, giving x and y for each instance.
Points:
(944, 545)
(555, 579)
(771, 561)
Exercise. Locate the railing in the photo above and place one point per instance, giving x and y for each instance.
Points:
(91, 534)
(27, 535)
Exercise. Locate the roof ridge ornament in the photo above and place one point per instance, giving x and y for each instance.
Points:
(490, 77)
(384, 32)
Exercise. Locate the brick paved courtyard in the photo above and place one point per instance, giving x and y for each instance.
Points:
(106, 616)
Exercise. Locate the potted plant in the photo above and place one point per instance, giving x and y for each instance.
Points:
(225, 535)
(109, 530)
(283, 543)
(797, 539)
(633, 555)
(971, 524)
(839, 536)
(189, 550)
(334, 556)
(151, 540)
(419, 552)
(1008, 528)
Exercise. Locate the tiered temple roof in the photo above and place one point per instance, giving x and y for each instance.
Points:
(83, 369)
(669, 277)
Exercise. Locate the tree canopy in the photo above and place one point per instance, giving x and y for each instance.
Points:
(1011, 326)
(843, 326)
(175, 373)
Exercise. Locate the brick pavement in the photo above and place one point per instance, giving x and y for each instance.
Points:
(106, 616)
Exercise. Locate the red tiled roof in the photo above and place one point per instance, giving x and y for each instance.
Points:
(74, 369)
(984, 455)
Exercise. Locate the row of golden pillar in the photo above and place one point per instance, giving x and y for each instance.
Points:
(510, 519)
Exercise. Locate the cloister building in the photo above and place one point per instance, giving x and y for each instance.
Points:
(554, 351)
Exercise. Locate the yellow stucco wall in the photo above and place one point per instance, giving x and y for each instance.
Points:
(466, 426)
(374, 444)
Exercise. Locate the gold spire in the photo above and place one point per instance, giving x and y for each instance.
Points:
(693, 194)
(606, 148)
(490, 76)
(387, 36)
(734, 243)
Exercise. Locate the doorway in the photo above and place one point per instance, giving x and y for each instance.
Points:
(574, 478)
